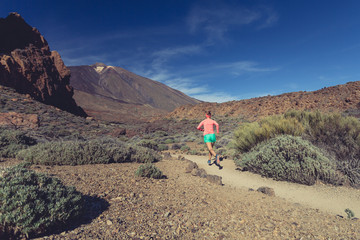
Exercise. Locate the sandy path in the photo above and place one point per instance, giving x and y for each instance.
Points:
(325, 198)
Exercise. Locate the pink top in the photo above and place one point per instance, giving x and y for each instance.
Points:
(208, 126)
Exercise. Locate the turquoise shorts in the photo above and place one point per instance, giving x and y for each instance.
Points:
(210, 138)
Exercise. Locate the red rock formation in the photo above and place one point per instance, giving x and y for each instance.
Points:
(13, 119)
(28, 65)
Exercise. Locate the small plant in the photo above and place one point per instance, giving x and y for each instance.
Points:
(350, 214)
(194, 152)
(169, 141)
(163, 147)
(149, 170)
(32, 203)
(160, 133)
(185, 148)
(149, 144)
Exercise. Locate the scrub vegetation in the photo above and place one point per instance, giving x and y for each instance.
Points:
(32, 203)
(336, 136)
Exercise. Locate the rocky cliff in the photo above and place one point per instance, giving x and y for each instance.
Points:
(28, 65)
(337, 98)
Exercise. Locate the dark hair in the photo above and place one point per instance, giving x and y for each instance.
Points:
(208, 113)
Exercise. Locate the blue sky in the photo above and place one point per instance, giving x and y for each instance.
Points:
(211, 50)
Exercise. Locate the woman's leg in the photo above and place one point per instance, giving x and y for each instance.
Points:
(210, 147)
(212, 152)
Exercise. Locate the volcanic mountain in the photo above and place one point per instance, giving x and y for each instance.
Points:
(340, 98)
(115, 94)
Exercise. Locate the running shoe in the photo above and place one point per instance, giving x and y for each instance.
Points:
(209, 162)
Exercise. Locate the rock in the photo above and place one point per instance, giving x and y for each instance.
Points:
(214, 179)
(108, 222)
(190, 167)
(266, 190)
(167, 156)
(28, 65)
(13, 119)
(200, 172)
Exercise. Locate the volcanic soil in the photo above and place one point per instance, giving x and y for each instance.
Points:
(183, 206)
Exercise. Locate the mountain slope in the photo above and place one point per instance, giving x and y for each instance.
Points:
(336, 98)
(113, 93)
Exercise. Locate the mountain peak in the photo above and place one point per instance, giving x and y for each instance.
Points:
(99, 67)
(98, 64)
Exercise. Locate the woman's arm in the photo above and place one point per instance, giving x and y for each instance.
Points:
(199, 127)
(217, 127)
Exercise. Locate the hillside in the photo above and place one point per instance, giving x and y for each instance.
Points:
(115, 94)
(180, 206)
(336, 98)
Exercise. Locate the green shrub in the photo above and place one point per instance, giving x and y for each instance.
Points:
(163, 147)
(149, 170)
(149, 144)
(141, 155)
(249, 135)
(106, 150)
(32, 203)
(194, 152)
(292, 159)
(185, 148)
(338, 135)
(169, 141)
(12, 141)
(160, 133)
(350, 214)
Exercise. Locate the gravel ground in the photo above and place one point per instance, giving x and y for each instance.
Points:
(183, 206)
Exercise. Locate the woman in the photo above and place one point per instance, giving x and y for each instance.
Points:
(209, 136)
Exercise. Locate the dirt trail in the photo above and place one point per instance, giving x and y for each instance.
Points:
(329, 199)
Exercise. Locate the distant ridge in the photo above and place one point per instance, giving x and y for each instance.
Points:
(337, 98)
(115, 94)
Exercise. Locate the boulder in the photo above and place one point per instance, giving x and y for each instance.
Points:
(214, 179)
(167, 156)
(190, 167)
(266, 190)
(200, 172)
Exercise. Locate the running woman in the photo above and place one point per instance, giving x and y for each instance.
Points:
(209, 136)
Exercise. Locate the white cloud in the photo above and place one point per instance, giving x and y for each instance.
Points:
(240, 67)
(164, 55)
(270, 18)
(218, 97)
(181, 50)
(215, 22)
